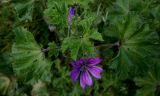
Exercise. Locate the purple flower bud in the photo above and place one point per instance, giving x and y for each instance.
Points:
(51, 27)
(84, 68)
(71, 13)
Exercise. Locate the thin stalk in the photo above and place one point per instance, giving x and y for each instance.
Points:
(108, 45)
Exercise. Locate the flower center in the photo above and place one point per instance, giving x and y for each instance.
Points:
(84, 66)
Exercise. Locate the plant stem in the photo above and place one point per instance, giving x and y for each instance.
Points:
(108, 45)
(69, 30)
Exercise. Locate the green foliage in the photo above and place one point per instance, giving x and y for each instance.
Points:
(54, 50)
(136, 39)
(55, 11)
(29, 63)
(150, 83)
(7, 19)
(7, 84)
(5, 65)
(24, 9)
(39, 89)
(83, 42)
(75, 44)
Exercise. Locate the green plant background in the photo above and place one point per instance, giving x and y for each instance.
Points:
(35, 60)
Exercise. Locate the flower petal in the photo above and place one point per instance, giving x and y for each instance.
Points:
(74, 63)
(88, 79)
(94, 61)
(77, 64)
(81, 61)
(74, 74)
(95, 71)
(82, 81)
(85, 79)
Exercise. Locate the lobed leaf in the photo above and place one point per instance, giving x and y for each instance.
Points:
(29, 62)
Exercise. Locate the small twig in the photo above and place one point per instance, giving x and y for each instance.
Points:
(98, 46)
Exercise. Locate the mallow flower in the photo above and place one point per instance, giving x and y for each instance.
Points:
(84, 68)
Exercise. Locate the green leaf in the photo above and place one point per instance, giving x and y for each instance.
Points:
(121, 62)
(123, 5)
(5, 65)
(56, 13)
(73, 45)
(54, 50)
(65, 44)
(39, 89)
(148, 87)
(149, 83)
(24, 9)
(88, 30)
(87, 47)
(95, 35)
(136, 43)
(7, 85)
(29, 62)
(86, 23)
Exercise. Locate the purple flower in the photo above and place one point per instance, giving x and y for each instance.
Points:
(84, 68)
(71, 13)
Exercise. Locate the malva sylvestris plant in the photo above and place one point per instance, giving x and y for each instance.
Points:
(45, 36)
(84, 68)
